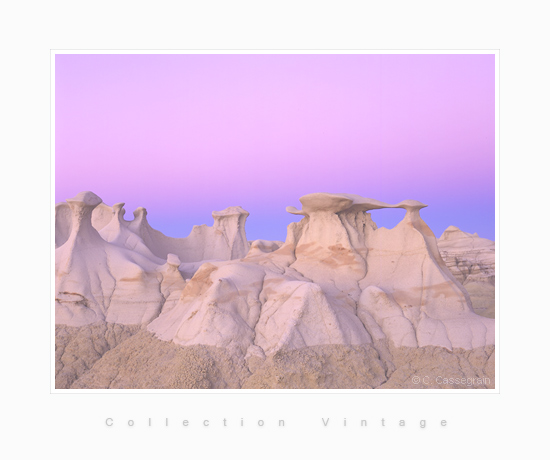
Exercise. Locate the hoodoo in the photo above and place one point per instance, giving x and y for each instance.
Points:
(337, 280)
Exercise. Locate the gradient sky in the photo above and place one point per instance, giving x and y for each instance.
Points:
(184, 135)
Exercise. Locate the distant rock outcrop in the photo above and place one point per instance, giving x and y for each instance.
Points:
(471, 260)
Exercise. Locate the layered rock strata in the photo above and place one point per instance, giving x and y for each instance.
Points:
(471, 260)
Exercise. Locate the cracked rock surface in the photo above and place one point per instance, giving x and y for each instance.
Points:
(140, 361)
(78, 348)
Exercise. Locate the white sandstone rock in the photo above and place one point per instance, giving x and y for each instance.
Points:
(225, 240)
(97, 280)
(336, 280)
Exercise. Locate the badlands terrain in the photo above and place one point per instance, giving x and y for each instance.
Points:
(339, 304)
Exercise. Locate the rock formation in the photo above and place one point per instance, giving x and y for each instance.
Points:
(225, 240)
(97, 280)
(471, 260)
(337, 281)
(110, 269)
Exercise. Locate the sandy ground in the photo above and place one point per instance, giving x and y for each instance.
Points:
(106, 355)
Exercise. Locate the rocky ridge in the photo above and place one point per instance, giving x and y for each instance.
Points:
(338, 294)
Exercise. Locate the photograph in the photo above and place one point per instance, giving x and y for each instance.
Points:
(276, 230)
(260, 221)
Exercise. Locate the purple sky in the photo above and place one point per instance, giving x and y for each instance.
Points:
(184, 135)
